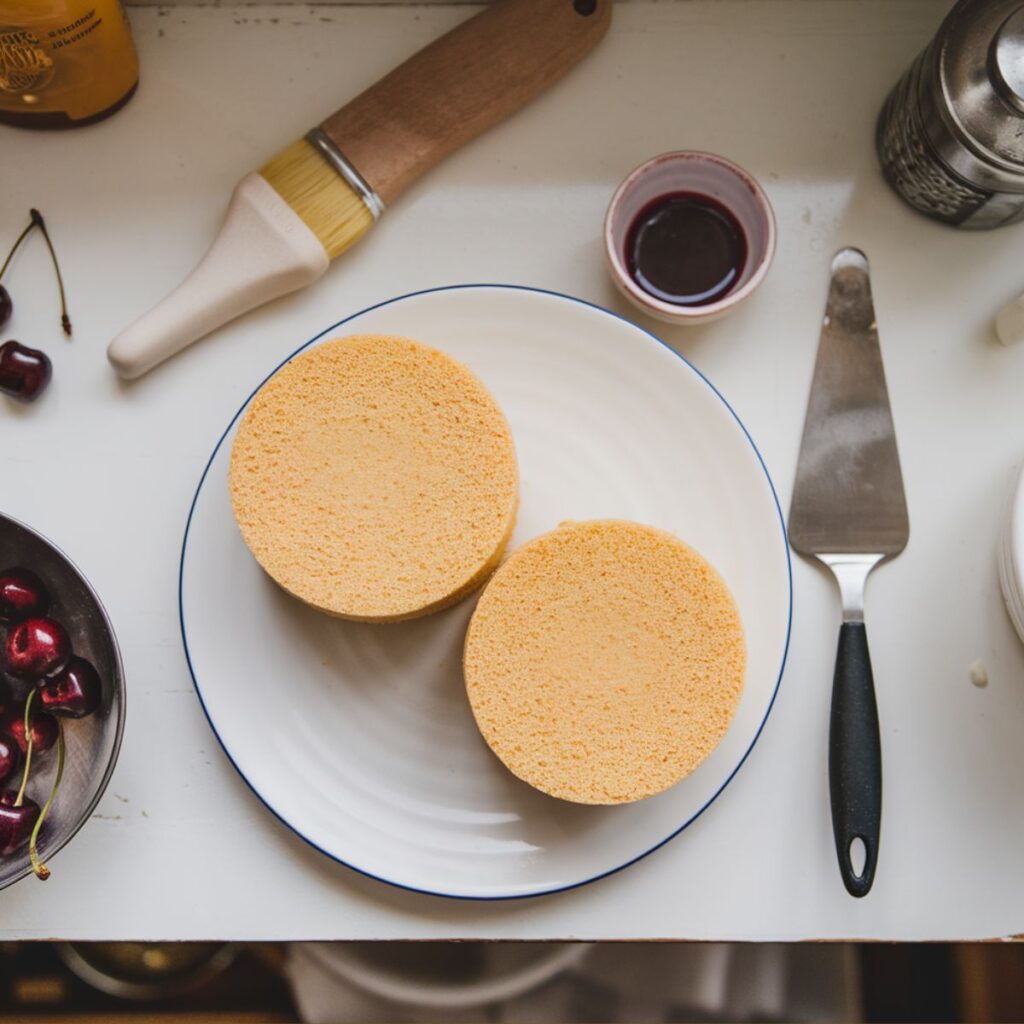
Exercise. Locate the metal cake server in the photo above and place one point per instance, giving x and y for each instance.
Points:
(849, 511)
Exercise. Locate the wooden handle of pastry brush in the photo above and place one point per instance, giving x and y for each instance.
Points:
(461, 84)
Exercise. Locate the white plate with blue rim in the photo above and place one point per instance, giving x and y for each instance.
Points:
(359, 736)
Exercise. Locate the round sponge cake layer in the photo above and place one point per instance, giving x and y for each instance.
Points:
(375, 478)
(604, 661)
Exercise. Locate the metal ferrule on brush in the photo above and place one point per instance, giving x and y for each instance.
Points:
(334, 156)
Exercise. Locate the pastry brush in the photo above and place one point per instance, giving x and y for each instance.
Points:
(313, 200)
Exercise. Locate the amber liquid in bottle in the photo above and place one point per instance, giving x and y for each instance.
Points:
(64, 63)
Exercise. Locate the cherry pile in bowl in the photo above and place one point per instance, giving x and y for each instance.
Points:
(47, 683)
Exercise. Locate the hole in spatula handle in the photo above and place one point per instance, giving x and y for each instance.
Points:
(858, 856)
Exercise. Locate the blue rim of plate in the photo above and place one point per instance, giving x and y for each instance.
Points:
(512, 896)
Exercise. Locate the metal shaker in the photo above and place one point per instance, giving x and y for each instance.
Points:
(951, 133)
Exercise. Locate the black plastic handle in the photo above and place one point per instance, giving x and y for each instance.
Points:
(855, 758)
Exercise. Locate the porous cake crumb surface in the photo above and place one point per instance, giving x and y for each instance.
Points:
(604, 661)
(375, 478)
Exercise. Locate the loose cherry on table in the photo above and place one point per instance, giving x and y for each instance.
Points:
(6, 305)
(35, 648)
(22, 595)
(74, 692)
(10, 756)
(44, 729)
(16, 822)
(24, 372)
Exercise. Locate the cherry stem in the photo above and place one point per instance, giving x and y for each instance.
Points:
(14, 248)
(41, 870)
(28, 748)
(65, 320)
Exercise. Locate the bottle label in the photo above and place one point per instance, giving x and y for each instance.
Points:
(78, 29)
(24, 64)
(64, 62)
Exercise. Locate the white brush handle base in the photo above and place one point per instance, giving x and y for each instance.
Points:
(264, 250)
(1010, 322)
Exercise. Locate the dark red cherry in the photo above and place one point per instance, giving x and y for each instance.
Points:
(74, 692)
(16, 823)
(22, 595)
(10, 756)
(6, 305)
(44, 729)
(24, 372)
(36, 648)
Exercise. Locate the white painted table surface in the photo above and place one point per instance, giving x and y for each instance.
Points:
(179, 848)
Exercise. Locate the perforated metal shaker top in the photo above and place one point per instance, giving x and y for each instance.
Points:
(951, 133)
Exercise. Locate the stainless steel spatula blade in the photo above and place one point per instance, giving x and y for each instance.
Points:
(849, 511)
(848, 495)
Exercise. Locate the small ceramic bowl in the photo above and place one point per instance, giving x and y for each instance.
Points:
(705, 174)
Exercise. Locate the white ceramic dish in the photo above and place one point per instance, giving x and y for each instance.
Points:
(359, 736)
(1011, 559)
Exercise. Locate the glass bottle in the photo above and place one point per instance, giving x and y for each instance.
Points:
(64, 63)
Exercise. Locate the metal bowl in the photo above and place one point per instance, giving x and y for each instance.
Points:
(147, 970)
(92, 743)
